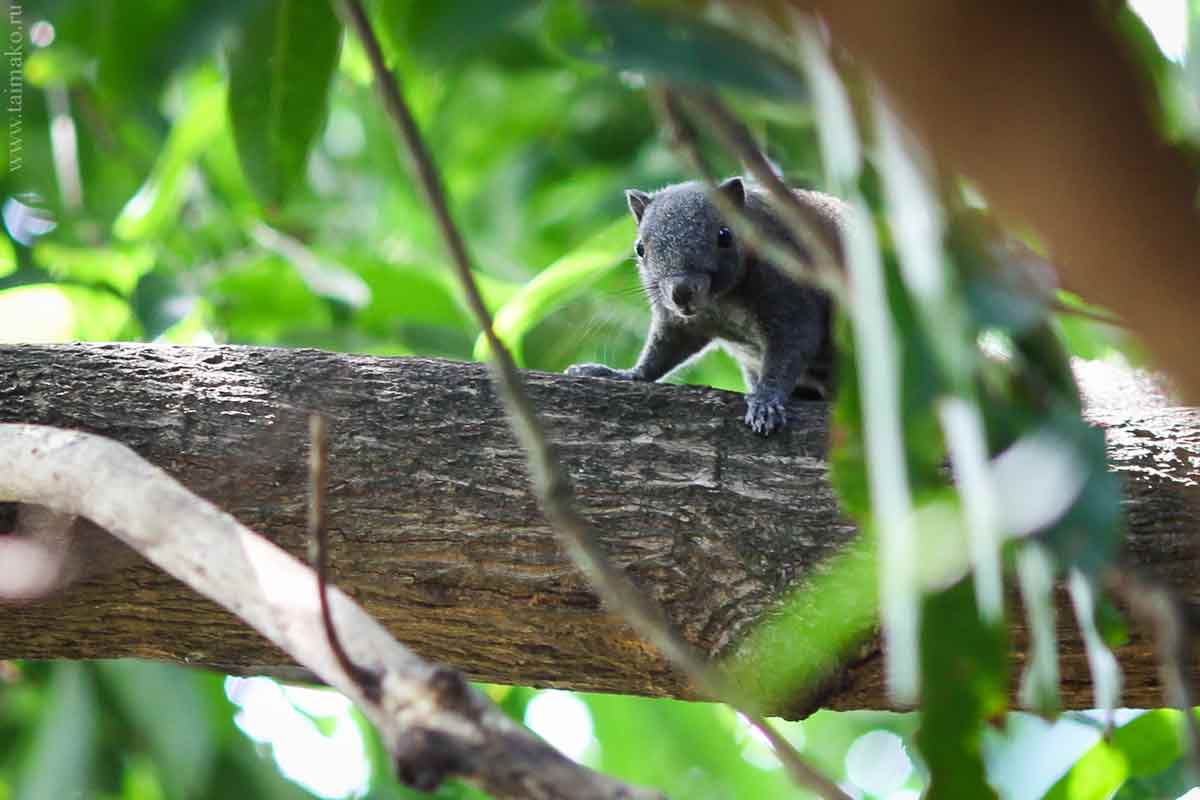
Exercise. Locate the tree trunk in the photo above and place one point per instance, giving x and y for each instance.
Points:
(434, 530)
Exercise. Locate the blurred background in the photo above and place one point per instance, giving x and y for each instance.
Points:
(152, 191)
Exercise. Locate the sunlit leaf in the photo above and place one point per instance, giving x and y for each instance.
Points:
(52, 313)
(701, 752)
(402, 295)
(1151, 742)
(558, 284)
(190, 322)
(8, 257)
(280, 71)
(264, 301)
(1094, 777)
(224, 171)
(142, 780)
(61, 65)
(323, 275)
(118, 267)
(1147, 746)
(793, 652)
(156, 205)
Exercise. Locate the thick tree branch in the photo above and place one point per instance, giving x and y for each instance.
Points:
(434, 531)
(434, 724)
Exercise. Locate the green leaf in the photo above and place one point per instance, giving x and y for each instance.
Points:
(61, 760)
(52, 313)
(1174, 782)
(142, 780)
(62, 64)
(558, 284)
(1094, 777)
(164, 704)
(1089, 534)
(1151, 742)
(119, 267)
(792, 652)
(699, 750)
(443, 32)
(964, 682)
(155, 208)
(132, 50)
(280, 72)
(8, 256)
(404, 295)
(264, 300)
(325, 276)
(681, 48)
(1149, 745)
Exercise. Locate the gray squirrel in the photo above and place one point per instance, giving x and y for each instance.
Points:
(705, 286)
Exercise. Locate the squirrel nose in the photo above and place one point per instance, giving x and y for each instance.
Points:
(682, 294)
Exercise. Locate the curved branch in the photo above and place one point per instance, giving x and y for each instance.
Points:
(434, 724)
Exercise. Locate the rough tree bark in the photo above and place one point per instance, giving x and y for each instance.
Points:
(434, 531)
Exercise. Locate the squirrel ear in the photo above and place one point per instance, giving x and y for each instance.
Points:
(638, 200)
(735, 190)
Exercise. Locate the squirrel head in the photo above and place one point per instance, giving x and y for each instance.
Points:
(686, 254)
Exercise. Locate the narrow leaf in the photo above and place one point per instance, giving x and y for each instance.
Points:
(280, 72)
(1039, 684)
(8, 256)
(62, 758)
(967, 441)
(1106, 674)
(1150, 745)
(887, 471)
(165, 705)
(155, 206)
(964, 682)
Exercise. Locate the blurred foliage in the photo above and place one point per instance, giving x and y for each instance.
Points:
(192, 172)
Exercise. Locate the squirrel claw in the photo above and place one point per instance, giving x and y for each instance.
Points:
(765, 415)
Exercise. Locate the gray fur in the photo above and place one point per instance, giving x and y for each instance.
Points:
(707, 287)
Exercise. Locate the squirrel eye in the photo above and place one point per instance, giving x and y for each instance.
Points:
(724, 238)
(639, 248)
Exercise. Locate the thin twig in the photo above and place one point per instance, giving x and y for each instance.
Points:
(736, 138)
(549, 478)
(318, 544)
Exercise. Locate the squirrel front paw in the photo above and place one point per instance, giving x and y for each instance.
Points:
(765, 414)
(599, 371)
